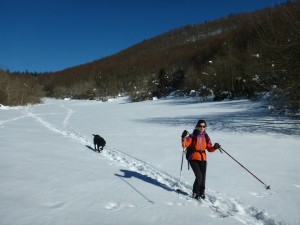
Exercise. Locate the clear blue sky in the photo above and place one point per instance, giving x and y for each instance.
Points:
(51, 35)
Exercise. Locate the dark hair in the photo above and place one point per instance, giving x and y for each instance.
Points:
(201, 121)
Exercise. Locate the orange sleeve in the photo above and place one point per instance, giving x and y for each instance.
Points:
(186, 142)
(209, 146)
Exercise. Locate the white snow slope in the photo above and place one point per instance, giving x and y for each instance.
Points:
(49, 173)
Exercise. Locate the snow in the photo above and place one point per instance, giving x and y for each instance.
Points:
(50, 174)
(3, 107)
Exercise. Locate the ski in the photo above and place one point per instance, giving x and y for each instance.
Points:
(221, 212)
(218, 210)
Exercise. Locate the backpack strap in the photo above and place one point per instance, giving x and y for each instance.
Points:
(206, 138)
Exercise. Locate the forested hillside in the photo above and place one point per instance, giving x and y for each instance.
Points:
(242, 55)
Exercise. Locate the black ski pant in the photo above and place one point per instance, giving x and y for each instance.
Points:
(199, 168)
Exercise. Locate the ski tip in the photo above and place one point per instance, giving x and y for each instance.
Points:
(181, 192)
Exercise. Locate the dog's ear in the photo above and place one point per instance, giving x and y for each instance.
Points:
(93, 134)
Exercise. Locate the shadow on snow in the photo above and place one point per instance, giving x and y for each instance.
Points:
(250, 118)
(145, 178)
(132, 174)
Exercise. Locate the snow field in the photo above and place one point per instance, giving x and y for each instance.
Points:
(50, 173)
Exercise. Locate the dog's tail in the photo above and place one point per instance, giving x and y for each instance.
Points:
(94, 134)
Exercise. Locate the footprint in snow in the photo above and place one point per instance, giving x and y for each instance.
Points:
(297, 185)
(131, 206)
(112, 206)
(175, 204)
(257, 195)
(116, 206)
(55, 205)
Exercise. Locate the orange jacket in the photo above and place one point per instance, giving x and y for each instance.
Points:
(199, 145)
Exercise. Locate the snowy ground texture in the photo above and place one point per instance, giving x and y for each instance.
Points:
(50, 174)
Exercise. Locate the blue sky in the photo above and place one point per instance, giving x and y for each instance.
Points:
(51, 35)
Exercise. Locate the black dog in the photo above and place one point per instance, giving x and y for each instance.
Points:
(99, 142)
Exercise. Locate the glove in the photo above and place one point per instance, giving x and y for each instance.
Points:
(184, 133)
(216, 146)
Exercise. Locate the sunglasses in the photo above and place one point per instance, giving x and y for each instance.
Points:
(202, 126)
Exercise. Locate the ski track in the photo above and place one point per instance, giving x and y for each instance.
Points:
(222, 206)
(13, 119)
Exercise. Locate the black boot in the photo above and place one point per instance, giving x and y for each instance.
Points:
(196, 196)
(202, 196)
(201, 192)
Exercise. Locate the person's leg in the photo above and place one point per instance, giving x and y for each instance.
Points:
(198, 177)
(203, 165)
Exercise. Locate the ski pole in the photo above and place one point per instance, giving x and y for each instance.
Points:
(183, 150)
(178, 189)
(266, 186)
(181, 164)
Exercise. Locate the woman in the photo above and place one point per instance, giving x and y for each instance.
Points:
(196, 145)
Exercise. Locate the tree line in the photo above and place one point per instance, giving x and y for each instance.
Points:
(242, 55)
